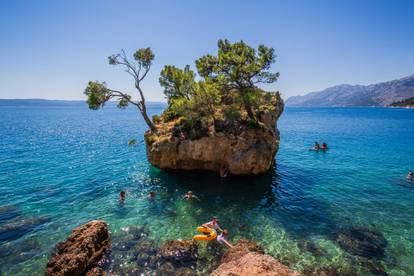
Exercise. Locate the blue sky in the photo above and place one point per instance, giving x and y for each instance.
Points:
(50, 49)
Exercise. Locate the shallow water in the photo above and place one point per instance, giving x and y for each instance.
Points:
(63, 166)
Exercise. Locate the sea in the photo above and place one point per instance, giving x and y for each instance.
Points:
(347, 209)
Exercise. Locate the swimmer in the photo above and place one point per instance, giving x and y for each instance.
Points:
(316, 146)
(324, 146)
(190, 196)
(223, 238)
(152, 195)
(410, 176)
(122, 196)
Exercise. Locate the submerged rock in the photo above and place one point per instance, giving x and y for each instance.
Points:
(329, 271)
(81, 250)
(225, 148)
(8, 212)
(18, 227)
(363, 242)
(179, 253)
(248, 258)
(311, 247)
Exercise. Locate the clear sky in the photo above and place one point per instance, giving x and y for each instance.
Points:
(50, 49)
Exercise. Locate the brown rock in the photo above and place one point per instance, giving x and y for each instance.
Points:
(80, 251)
(254, 263)
(96, 271)
(250, 152)
(248, 258)
(241, 248)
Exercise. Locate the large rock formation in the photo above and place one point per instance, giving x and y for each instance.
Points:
(82, 249)
(247, 258)
(227, 148)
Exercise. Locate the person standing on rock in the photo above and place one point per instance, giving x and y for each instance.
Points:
(223, 238)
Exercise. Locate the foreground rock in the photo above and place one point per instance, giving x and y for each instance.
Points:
(227, 147)
(247, 258)
(82, 249)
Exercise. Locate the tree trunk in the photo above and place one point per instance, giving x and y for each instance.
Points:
(144, 114)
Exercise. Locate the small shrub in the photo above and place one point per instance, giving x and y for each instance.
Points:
(156, 119)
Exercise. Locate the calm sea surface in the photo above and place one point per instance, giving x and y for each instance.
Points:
(63, 166)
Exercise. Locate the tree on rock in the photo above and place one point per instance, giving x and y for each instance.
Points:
(239, 67)
(98, 93)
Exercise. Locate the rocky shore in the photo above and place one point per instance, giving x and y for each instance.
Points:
(87, 251)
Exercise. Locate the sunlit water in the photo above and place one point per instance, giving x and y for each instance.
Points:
(63, 166)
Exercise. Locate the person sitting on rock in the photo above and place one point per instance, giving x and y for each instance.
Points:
(223, 238)
(213, 224)
(410, 176)
(324, 146)
(122, 196)
(316, 146)
(190, 196)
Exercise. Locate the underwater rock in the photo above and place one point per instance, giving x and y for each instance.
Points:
(361, 241)
(248, 258)
(311, 247)
(84, 247)
(250, 151)
(329, 271)
(373, 266)
(8, 212)
(166, 269)
(17, 228)
(180, 253)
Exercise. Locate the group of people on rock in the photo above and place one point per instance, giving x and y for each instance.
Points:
(318, 147)
(212, 225)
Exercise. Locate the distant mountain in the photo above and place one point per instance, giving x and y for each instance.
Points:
(380, 94)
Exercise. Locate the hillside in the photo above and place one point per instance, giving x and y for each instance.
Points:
(380, 94)
(404, 103)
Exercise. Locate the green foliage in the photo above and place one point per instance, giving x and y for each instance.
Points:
(240, 67)
(156, 119)
(144, 56)
(97, 93)
(232, 113)
(192, 129)
(149, 139)
(177, 83)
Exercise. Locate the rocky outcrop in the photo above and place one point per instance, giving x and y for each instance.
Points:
(82, 249)
(249, 151)
(247, 258)
(177, 257)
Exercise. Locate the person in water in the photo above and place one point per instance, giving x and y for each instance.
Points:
(410, 176)
(190, 196)
(324, 146)
(122, 196)
(316, 146)
(213, 224)
(223, 238)
(151, 195)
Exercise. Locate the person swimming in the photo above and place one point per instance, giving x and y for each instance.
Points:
(410, 176)
(190, 196)
(316, 146)
(223, 238)
(152, 195)
(122, 196)
(324, 146)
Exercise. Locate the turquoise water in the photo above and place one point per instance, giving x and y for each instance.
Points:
(63, 166)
